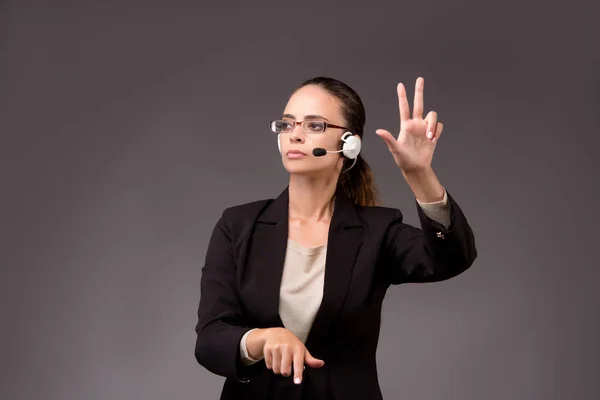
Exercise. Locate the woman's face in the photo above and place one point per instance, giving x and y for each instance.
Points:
(312, 103)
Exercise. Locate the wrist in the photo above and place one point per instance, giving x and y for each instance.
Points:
(417, 173)
(424, 184)
(256, 342)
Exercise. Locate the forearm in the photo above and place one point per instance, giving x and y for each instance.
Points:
(438, 211)
(426, 188)
(425, 185)
(433, 253)
(449, 250)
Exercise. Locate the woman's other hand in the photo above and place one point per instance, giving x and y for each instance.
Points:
(283, 352)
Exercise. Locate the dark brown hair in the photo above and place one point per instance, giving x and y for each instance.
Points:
(358, 183)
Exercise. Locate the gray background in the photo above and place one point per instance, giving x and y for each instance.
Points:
(127, 127)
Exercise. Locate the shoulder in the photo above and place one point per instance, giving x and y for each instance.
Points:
(243, 214)
(379, 214)
(245, 210)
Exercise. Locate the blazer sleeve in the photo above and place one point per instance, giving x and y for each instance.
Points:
(221, 324)
(430, 254)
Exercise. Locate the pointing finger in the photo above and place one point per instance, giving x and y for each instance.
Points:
(298, 365)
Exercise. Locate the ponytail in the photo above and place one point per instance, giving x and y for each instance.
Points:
(358, 183)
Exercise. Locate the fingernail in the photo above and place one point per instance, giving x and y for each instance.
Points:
(429, 134)
(297, 381)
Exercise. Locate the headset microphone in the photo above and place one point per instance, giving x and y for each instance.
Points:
(319, 151)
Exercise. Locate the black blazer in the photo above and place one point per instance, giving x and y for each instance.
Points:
(369, 249)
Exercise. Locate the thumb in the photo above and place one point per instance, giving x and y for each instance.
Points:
(388, 138)
(311, 361)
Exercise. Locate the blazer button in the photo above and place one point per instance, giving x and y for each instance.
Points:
(244, 380)
(440, 235)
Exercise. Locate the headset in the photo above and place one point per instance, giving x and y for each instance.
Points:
(351, 148)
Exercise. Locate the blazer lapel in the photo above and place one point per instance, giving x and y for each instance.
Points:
(344, 241)
(265, 261)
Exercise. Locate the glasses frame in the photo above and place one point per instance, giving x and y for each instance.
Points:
(301, 123)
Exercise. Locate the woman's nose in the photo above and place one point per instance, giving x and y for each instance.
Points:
(297, 138)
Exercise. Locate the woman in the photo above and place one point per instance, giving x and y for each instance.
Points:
(292, 287)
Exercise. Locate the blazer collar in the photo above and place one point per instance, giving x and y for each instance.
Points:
(344, 241)
(344, 212)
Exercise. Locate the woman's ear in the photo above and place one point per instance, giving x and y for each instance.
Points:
(341, 162)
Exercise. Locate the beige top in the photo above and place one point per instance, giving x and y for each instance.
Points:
(303, 276)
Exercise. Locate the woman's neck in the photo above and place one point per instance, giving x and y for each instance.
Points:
(310, 199)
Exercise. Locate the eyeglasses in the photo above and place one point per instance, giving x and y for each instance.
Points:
(308, 126)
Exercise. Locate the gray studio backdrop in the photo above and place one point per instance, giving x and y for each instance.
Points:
(126, 128)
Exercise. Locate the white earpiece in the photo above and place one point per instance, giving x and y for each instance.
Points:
(352, 145)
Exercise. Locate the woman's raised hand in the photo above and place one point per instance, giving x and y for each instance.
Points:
(414, 147)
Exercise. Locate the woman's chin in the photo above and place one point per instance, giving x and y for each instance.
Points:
(302, 171)
(308, 169)
(302, 168)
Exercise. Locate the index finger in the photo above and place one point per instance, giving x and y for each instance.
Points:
(403, 103)
(298, 365)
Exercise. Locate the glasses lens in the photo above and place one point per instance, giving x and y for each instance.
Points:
(314, 126)
(278, 126)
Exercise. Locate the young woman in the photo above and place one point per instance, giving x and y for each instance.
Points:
(292, 287)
